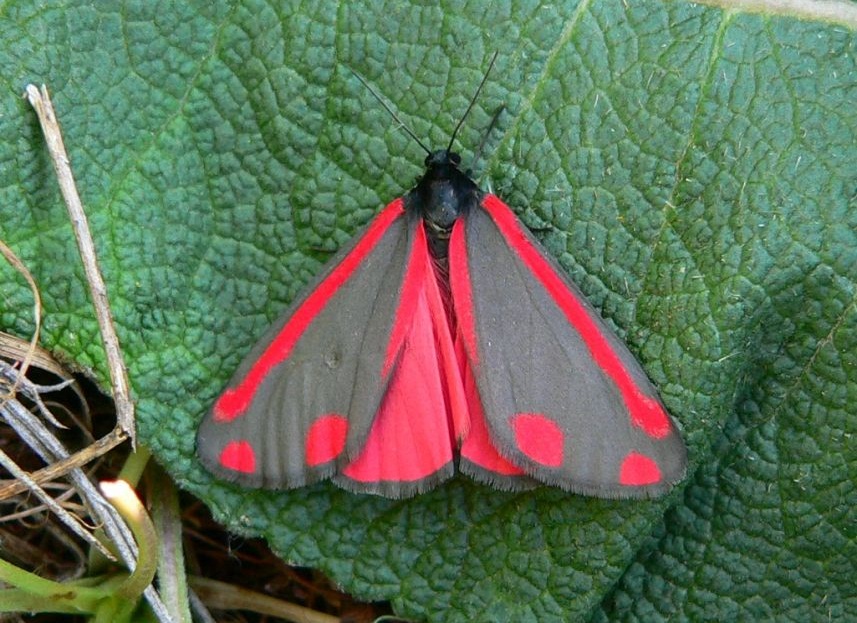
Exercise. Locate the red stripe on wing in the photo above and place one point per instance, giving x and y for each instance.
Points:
(462, 291)
(646, 412)
(476, 446)
(234, 401)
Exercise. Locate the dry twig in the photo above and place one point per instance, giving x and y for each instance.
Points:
(41, 102)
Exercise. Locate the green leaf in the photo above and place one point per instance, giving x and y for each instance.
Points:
(694, 170)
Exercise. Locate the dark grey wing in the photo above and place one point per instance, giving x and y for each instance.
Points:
(310, 388)
(563, 398)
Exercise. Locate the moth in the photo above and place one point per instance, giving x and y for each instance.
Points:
(442, 338)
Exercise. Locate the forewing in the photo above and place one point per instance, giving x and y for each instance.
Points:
(313, 384)
(563, 398)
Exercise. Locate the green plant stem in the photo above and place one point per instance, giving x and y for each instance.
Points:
(134, 466)
(123, 498)
(42, 595)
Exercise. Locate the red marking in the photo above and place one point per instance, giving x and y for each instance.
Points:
(462, 291)
(539, 437)
(239, 456)
(325, 439)
(646, 413)
(413, 283)
(477, 446)
(234, 401)
(412, 436)
(638, 469)
(453, 363)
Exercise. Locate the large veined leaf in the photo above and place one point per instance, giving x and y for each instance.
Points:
(694, 170)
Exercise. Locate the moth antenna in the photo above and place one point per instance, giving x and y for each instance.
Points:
(472, 101)
(494, 119)
(390, 110)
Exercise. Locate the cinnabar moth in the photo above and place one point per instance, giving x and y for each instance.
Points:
(443, 336)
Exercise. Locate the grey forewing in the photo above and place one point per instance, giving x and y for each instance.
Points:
(334, 367)
(531, 360)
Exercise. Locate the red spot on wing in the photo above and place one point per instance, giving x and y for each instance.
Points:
(239, 457)
(645, 412)
(234, 401)
(413, 434)
(325, 439)
(539, 437)
(638, 469)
